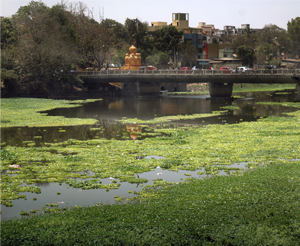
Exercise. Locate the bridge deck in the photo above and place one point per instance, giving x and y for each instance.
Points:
(197, 76)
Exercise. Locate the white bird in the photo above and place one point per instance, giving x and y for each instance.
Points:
(111, 178)
(159, 174)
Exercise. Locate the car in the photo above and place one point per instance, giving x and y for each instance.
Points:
(185, 68)
(149, 67)
(227, 70)
(270, 67)
(243, 69)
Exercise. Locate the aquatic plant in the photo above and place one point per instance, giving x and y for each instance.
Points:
(189, 148)
(24, 213)
(24, 111)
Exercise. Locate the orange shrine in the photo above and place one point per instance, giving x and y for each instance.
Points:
(132, 60)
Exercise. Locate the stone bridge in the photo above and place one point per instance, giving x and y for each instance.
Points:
(152, 82)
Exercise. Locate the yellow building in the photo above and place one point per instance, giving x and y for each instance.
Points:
(133, 60)
(179, 20)
(156, 25)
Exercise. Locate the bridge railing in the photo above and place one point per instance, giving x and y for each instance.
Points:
(292, 72)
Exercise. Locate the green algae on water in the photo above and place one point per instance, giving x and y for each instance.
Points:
(24, 112)
(190, 148)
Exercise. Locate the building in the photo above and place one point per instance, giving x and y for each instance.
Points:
(180, 21)
(132, 59)
(205, 38)
(156, 25)
(207, 30)
(225, 52)
(196, 40)
(210, 51)
(229, 30)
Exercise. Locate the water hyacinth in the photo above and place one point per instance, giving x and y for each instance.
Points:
(23, 111)
(189, 148)
(244, 209)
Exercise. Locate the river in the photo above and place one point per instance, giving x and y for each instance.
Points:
(108, 111)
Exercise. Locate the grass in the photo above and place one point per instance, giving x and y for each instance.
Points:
(262, 87)
(203, 88)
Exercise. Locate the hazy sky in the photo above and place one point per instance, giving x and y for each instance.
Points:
(220, 13)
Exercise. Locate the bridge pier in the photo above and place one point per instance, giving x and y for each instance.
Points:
(173, 87)
(298, 89)
(220, 90)
(148, 88)
(141, 89)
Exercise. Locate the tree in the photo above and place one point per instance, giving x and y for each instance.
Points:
(156, 58)
(9, 75)
(215, 41)
(137, 30)
(245, 53)
(8, 33)
(43, 49)
(94, 42)
(228, 41)
(248, 38)
(187, 53)
(43, 53)
(119, 31)
(166, 39)
(293, 29)
(119, 54)
(248, 31)
(267, 51)
(275, 35)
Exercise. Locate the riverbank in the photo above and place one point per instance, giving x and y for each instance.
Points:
(203, 88)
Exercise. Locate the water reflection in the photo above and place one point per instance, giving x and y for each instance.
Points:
(70, 196)
(110, 110)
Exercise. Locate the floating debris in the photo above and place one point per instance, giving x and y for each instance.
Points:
(14, 166)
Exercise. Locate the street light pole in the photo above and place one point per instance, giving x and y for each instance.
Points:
(272, 52)
(174, 57)
(177, 57)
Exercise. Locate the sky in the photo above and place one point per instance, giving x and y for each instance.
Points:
(219, 13)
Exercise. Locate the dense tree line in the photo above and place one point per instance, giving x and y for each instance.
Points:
(40, 45)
